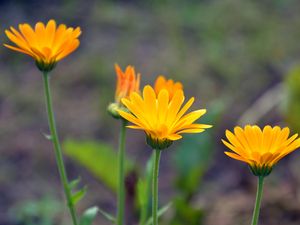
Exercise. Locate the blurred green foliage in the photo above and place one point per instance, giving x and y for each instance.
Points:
(37, 212)
(144, 190)
(99, 158)
(292, 105)
(192, 159)
(186, 214)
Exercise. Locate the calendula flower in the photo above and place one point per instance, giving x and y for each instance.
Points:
(47, 44)
(127, 82)
(162, 83)
(162, 119)
(261, 149)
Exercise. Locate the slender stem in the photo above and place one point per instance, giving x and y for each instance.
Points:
(57, 148)
(258, 200)
(155, 186)
(121, 189)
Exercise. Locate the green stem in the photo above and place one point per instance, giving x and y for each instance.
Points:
(155, 186)
(57, 148)
(258, 200)
(121, 189)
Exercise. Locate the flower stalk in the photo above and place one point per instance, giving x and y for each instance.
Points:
(259, 193)
(157, 155)
(57, 148)
(121, 188)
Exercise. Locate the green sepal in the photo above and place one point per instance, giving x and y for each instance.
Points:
(260, 171)
(45, 67)
(158, 144)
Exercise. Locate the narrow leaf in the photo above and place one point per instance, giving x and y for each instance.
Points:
(160, 212)
(47, 136)
(77, 196)
(89, 215)
(74, 183)
(108, 216)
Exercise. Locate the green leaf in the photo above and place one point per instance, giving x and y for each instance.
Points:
(74, 183)
(160, 212)
(89, 216)
(108, 216)
(99, 158)
(77, 196)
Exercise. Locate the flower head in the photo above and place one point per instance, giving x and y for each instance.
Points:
(171, 86)
(127, 82)
(163, 120)
(261, 149)
(47, 44)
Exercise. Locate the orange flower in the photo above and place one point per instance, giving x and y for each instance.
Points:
(47, 44)
(171, 86)
(261, 149)
(162, 119)
(127, 82)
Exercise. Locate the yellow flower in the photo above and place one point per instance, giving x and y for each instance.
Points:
(127, 82)
(261, 149)
(47, 44)
(163, 120)
(171, 86)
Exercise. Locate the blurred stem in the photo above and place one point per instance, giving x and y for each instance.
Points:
(259, 192)
(57, 148)
(155, 186)
(121, 188)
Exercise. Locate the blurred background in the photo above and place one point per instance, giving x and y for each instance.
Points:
(239, 58)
